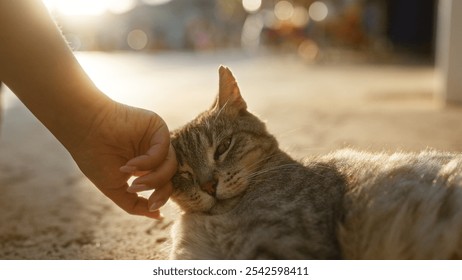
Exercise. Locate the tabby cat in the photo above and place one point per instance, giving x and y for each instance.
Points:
(242, 197)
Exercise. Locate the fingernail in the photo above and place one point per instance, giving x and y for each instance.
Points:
(154, 206)
(127, 169)
(137, 188)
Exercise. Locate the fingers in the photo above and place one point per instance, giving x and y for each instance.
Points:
(154, 156)
(160, 197)
(155, 169)
(131, 203)
(158, 177)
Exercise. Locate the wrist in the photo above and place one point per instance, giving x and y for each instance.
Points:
(76, 120)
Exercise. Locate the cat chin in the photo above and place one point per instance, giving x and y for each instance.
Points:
(204, 203)
(207, 203)
(213, 205)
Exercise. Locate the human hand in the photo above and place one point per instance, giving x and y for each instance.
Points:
(125, 141)
(101, 135)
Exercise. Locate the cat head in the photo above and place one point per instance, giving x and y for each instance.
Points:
(219, 151)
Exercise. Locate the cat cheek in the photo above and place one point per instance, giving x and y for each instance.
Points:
(225, 191)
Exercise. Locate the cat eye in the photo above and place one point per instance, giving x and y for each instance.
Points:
(222, 148)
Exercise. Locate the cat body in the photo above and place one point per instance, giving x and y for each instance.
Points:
(271, 220)
(401, 205)
(242, 197)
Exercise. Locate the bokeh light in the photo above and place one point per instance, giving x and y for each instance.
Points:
(251, 6)
(137, 39)
(284, 10)
(300, 17)
(203, 25)
(318, 11)
(269, 18)
(155, 2)
(251, 31)
(308, 50)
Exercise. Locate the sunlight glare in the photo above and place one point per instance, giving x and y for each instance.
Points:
(89, 7)
(81, 7)
(121, 6)
(50, 4)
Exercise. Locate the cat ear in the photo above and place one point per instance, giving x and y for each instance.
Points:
(229, 95)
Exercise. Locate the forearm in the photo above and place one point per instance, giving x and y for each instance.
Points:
(39, 67)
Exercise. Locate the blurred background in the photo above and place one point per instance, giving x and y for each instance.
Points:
(324, 75)
(308, 28)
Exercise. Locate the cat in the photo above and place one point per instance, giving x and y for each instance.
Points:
(400, 206)
(242, 197)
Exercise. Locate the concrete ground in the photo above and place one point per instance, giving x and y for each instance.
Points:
(50, 211)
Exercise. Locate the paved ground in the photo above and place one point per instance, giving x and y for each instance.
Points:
(50, 211)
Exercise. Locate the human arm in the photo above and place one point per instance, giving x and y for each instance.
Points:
(101, 135)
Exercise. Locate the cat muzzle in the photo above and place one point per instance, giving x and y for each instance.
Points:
(210, 187)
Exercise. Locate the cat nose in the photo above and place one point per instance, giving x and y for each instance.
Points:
(210, 187)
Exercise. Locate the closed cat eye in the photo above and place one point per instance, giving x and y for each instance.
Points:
(222, 148)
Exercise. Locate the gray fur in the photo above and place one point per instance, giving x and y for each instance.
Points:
(244, 198)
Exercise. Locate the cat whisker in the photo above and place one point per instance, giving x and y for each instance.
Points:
(270, 169)
(260, 161)
(287, 132)
(207, 124)
(289, 167)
